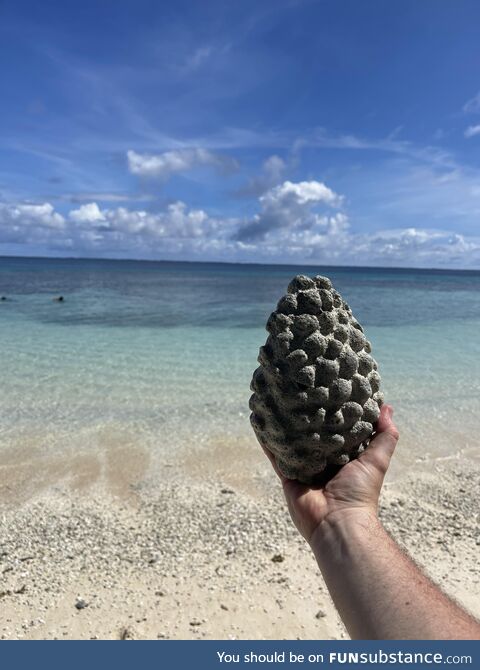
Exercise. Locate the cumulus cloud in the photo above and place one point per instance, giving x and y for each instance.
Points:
(305, 192)
(290, 206)
(164, 165)
(175, 222)
(420, 247)
(41, 215)
(89, 213)
(471, 131)
(302, 222)
(24, 216)
(337, 245)
(175, 229)
(29, 224)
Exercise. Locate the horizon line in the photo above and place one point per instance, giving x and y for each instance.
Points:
(255, 263)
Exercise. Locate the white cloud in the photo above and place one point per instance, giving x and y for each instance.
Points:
(148, 232)
(289, 206)
(471, 131)
(303, 192)
(336, 245)
(89, 213)
(176, 222)
(420, 247)
(472, 106)
(28, 224)
(26, 215)
(163, 165)
(288, 227)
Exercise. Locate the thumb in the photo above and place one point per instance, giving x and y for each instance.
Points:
(381, 448)
(272, 460)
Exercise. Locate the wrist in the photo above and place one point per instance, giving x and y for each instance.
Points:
(342, 530)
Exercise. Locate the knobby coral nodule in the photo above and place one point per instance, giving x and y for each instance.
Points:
(316, 396)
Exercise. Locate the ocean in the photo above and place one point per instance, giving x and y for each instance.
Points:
(158, 356)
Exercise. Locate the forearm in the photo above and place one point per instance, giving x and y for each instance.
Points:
(379, 592)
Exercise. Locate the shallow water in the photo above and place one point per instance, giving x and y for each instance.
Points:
(159, 355)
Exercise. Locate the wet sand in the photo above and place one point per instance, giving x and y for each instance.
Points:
(200, 545)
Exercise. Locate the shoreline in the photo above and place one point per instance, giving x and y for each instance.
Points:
(203, 548)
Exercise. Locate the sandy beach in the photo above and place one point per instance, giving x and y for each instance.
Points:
(135, 501)
(223, 222)
(203, 548)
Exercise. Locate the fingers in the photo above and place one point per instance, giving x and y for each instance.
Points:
(381, 448)
(272, 460)
(378, 453)
(385, 422)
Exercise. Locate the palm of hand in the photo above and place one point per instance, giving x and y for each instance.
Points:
(355, 487)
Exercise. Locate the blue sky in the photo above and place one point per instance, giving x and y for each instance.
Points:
(289, 131)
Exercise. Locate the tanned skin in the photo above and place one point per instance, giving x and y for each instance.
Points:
(379, 592)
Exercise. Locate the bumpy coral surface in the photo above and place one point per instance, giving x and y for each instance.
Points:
(316, 393)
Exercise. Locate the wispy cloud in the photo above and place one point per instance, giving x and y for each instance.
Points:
(107, 197)
(431, 155)
(472, 106)
(202, 56)
(197, 59)
(272, 172)
(472, 131)
(164, 165)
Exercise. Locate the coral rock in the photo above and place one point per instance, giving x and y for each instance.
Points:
(316, 396)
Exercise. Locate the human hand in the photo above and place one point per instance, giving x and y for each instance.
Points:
(354, 490)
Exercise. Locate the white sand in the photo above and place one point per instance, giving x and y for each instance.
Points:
(200, 547)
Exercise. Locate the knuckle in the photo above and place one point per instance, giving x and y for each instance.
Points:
(394, 433)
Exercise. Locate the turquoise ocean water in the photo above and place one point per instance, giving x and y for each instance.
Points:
(160, 355)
